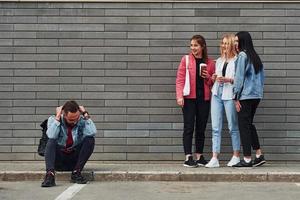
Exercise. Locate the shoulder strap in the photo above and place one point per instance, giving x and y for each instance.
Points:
(186, 61)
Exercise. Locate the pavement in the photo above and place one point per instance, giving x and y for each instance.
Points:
(157, 171)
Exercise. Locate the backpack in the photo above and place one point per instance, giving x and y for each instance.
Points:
(44, 139)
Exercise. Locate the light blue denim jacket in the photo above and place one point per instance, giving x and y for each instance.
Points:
(58, 130)
(247, 84)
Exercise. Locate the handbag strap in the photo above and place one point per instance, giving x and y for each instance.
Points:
(186, 61)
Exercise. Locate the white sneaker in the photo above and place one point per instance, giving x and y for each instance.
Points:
(233, 161)
(214, 162)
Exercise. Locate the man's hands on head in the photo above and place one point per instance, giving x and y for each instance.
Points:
(82, 109)
(58, 113)
(84, 112)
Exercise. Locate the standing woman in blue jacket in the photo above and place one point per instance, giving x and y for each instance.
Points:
(248, 91)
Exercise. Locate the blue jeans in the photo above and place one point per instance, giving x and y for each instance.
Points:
(217, 110)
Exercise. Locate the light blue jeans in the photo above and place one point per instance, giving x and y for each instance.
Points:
(217, 110)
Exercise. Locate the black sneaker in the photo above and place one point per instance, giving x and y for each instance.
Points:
(259, 161)
(243, 163)
(201, 161)
(190, 162)
(76, 177)
(49, 180)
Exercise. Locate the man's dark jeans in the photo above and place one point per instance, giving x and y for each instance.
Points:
(57, 159)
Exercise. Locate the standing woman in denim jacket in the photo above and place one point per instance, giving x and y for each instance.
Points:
(196, 105)
(248, 91)
(221, 100)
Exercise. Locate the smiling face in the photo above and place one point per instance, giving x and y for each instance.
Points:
(225, 46)
(71, 118)
(196, 49)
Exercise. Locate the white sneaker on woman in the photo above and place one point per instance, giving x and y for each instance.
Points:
(214, 162)
(233, 161)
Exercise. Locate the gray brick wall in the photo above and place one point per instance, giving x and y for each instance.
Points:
(120, 61)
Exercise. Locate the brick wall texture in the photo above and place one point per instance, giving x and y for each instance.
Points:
(119, 60)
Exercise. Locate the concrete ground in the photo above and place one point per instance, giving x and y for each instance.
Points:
(130, 171)
(152, 191)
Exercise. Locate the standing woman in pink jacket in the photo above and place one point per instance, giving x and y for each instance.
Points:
(195, 105)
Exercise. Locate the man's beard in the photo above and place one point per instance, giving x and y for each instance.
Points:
(70, 125)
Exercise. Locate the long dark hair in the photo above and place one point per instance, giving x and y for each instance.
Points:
(201, 40)
(246, 45)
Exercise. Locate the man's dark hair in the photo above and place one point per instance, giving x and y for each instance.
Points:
(70, 106)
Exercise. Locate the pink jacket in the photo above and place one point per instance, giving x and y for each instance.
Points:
(180, 79)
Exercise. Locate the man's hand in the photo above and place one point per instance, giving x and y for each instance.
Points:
(58, 113)
(84, 112)
(180, 102)
(81, 109)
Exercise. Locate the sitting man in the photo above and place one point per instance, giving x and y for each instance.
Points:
(71, 142)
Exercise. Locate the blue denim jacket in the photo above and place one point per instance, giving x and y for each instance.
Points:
(58, 130)
(247, 84)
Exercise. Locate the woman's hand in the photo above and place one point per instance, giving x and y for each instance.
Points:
(221, 79)
(180, 102)
(214, 77)
(238, 106)
(204, 74)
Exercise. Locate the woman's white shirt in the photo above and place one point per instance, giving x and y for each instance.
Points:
(227, 93)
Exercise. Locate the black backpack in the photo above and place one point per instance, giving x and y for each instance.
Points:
(44, 139)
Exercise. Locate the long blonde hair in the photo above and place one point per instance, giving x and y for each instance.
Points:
(231, 49)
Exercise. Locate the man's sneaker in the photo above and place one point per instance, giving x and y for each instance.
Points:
(243, 163)
(214, 162)
(233, 161)
(49, 179)
(190, 162)
(259, 161)
(76, 177)
(201, 161)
